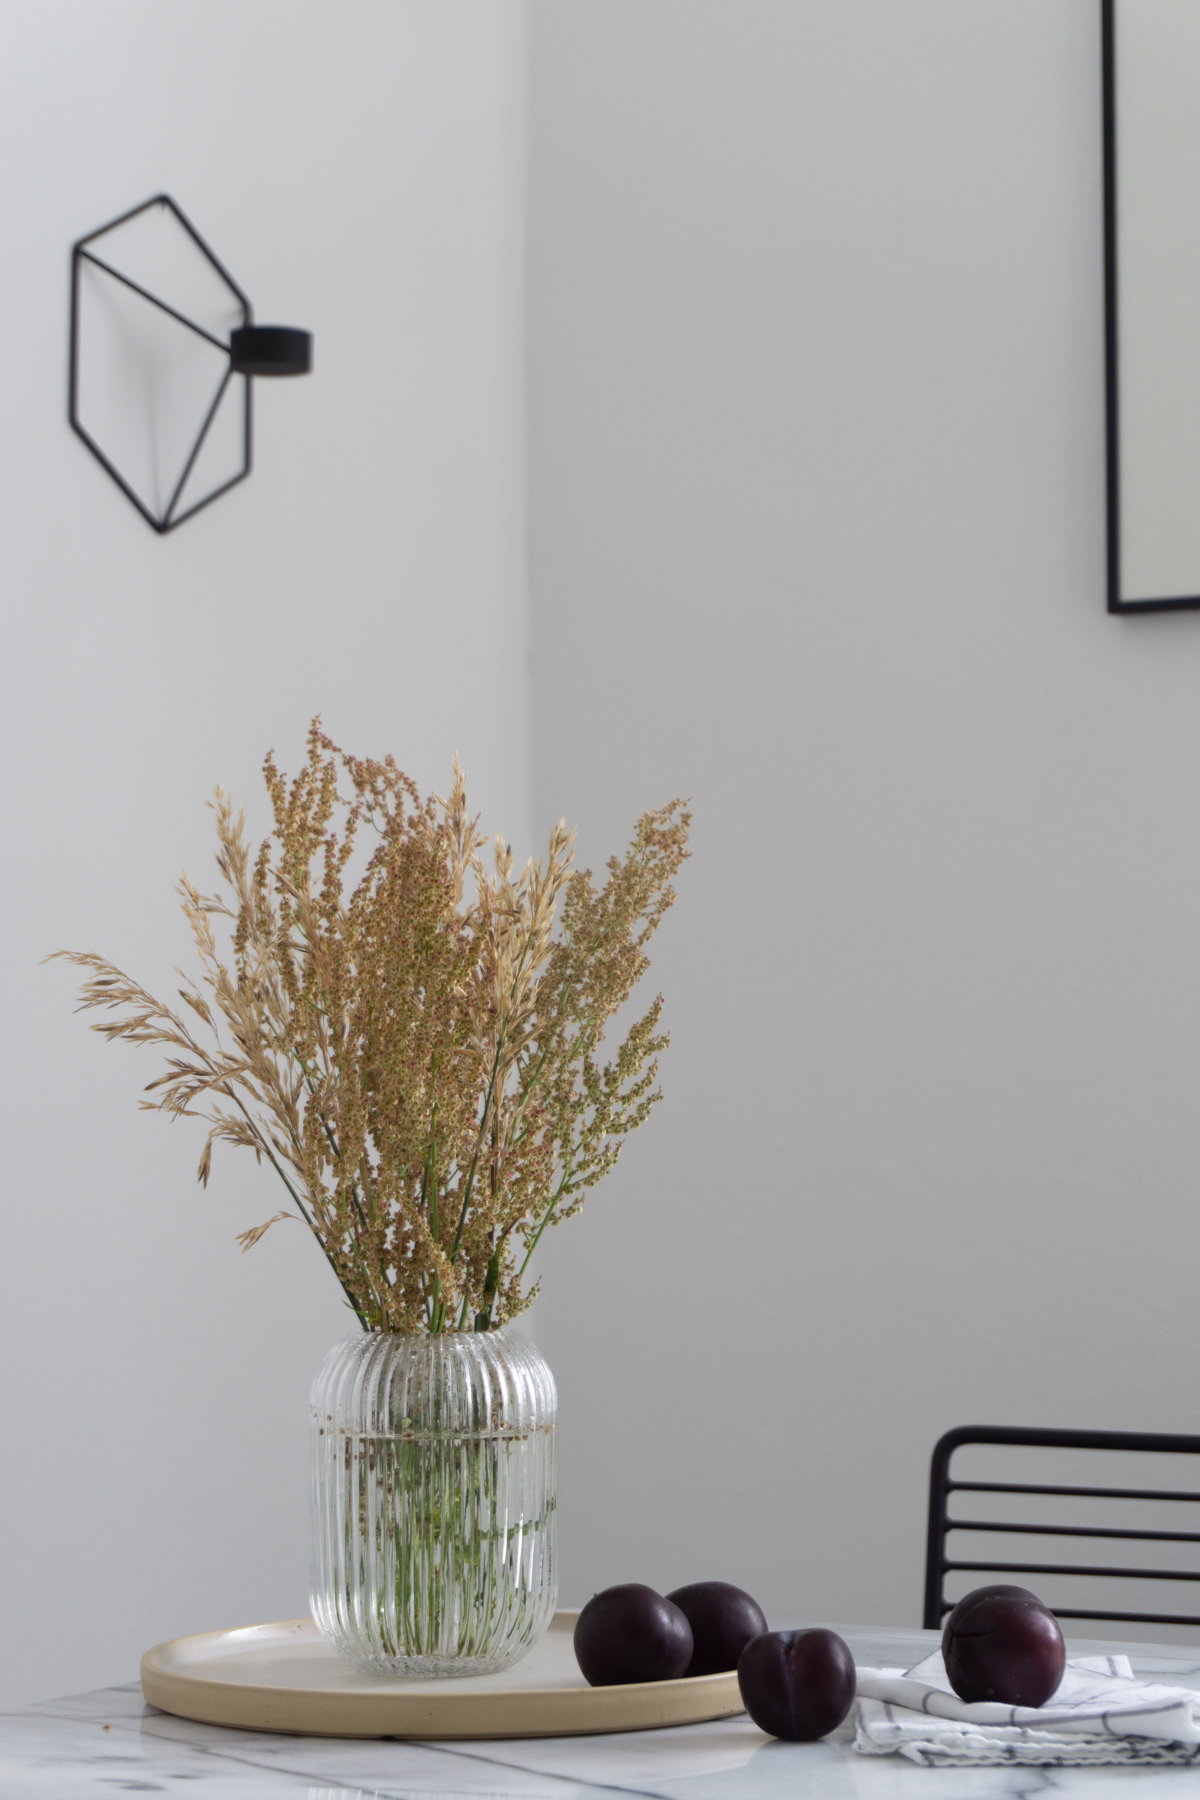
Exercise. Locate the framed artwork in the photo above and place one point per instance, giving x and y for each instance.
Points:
(1152, 267)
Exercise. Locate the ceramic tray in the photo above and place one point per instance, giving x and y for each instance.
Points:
(285, 1677)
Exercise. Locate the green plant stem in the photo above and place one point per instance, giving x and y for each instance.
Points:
(559, 1191)
(491, 1282)
(331, 1140)
(429, 1201)
(470, 1181)
(528, 1086)
(304, 1214)
(354, 1199)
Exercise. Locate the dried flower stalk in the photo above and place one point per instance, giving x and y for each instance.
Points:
(419, 1060)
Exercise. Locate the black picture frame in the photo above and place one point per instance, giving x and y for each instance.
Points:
(1116, 603)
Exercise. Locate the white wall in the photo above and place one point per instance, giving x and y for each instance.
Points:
(360, 170)
(817, 538)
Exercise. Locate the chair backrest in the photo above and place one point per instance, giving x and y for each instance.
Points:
(1043, 1500)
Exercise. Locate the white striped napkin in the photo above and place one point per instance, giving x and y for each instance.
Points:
(1100, 1713)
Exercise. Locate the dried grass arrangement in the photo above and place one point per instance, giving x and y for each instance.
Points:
(419, 1060)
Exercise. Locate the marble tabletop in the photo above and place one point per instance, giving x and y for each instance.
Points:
(109, 1743)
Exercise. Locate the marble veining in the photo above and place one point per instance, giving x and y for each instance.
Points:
(109, 1743)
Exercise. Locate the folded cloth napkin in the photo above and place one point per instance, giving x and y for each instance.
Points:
(1100, 1713)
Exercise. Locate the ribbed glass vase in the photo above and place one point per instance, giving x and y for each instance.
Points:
(434, 1486)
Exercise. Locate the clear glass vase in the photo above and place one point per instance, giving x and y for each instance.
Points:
(434, 1486)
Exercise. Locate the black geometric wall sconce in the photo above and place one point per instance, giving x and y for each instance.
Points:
(163, 354)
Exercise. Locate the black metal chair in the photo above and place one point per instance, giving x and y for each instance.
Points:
(942, 1485)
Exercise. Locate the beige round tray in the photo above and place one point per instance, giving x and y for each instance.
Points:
(285, 1677)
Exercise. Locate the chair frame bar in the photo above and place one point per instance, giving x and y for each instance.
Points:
(941, 1486)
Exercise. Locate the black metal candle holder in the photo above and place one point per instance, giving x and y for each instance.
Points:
(251, 350)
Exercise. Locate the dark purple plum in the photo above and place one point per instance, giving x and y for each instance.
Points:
(797, 1684)
(999, 1587)
(723, 1619)
(630, 1633)
(1001, 1643)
